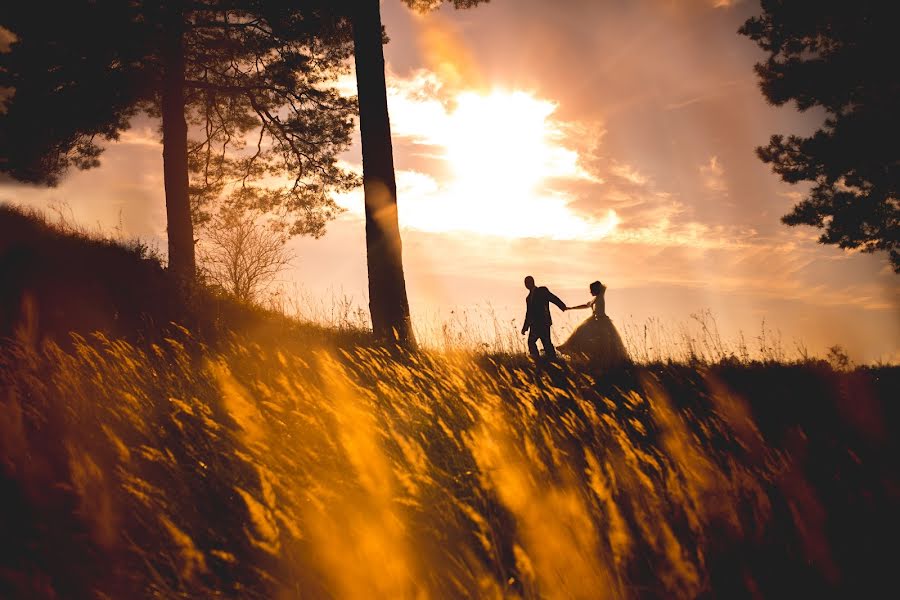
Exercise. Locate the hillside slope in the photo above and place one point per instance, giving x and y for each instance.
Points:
(56, 279)
(286, 463)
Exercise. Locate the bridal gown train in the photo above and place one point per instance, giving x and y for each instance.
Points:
(596, 339)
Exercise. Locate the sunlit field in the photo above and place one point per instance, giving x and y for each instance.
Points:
(255, 456)
(694, 340)
(276, 468)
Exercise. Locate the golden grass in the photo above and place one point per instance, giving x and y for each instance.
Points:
(269, 469)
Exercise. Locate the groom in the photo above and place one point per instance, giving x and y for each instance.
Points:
(537, 318)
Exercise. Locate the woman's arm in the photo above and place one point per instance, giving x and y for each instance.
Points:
(588, 305)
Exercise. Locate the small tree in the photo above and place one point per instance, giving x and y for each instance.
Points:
(241, 255)
(841, 56)
(219, 69)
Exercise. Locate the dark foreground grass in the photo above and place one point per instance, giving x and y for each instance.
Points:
(275, 468)
(247, 456)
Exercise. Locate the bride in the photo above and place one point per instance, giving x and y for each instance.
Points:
(596, 338)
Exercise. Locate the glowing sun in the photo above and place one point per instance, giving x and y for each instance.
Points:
(508, 165)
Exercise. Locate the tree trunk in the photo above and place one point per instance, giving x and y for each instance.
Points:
(388, 303)
(175, 159)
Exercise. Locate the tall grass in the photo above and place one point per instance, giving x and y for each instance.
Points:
(276, 468)
(284, 460)
(481, 328)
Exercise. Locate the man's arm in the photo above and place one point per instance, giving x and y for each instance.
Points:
(559, 303)
(527, 324)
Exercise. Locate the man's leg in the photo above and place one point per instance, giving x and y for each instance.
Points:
(549, 350)
(532, 342)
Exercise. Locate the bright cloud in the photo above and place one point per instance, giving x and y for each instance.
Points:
(628, 173)
(499, 163)
(506, 159)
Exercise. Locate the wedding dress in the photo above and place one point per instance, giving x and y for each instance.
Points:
(596, 339)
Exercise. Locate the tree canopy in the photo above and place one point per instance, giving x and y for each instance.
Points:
(81, 71)
(76, 79)
(266, 72)
(843, 58)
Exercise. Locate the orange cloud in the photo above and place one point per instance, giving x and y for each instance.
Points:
(713, 175)
(445, 53)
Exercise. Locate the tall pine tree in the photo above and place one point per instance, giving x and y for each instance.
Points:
(388, 302)
(224, 69)
(842, 57)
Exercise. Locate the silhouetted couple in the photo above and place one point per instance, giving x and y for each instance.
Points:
(596, 339)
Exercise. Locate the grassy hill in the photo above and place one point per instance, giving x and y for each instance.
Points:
(241, 455)
(58, 278)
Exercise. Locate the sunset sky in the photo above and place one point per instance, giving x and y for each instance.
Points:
(572, 140)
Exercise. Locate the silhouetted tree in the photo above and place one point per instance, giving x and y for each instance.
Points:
(844, 58)
(388, 302)
(241, 255)
(76, 77)
(82, 69)
(278, 63)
